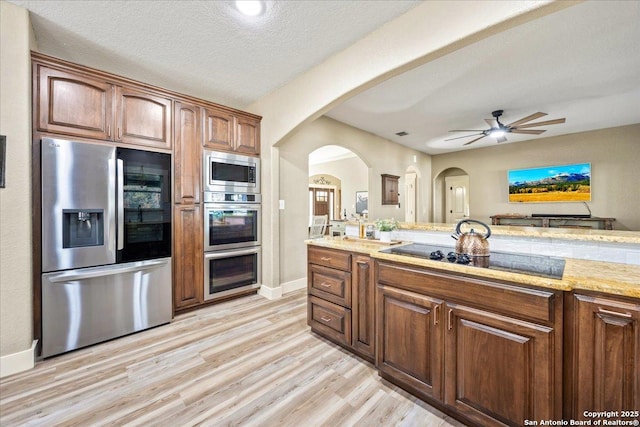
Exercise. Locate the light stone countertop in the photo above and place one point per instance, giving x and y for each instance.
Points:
(591, 235)
(606, 277)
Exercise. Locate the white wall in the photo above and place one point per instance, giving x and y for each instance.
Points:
(379, 155)
(15, 198)
(613, 154)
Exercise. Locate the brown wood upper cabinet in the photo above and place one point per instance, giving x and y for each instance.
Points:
(79, 104)
(390, 189)
(143, 118)
(73, 104)
(187, 153)
(224, 131)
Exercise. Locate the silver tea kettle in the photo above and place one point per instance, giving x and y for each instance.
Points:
(472, 243)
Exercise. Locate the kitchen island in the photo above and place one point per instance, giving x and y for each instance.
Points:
(495, 347)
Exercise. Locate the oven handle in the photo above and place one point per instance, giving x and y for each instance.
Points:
(226, 254)
(228, 206)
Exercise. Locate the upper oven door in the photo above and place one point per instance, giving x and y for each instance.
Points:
(228, 226)
(231, 173)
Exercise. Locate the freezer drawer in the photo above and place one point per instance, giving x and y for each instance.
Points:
(86, 306)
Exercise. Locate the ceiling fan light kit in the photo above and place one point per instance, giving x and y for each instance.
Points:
(498, 130)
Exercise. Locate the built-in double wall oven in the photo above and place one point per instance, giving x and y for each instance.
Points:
(232, 222)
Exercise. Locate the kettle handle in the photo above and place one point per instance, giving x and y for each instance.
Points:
(467, 221)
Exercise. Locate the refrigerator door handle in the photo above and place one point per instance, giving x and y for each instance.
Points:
(120, 214)
(88, 273)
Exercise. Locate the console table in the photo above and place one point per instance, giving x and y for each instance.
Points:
(554, 221)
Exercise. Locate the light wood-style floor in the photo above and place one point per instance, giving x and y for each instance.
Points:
(246, 362)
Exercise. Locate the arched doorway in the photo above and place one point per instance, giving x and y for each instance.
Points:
(451, 190)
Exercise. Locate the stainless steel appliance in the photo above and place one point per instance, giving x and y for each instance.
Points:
(230, 173)
(229, 272)
(232, 243)
(231, 221)
(106, 242)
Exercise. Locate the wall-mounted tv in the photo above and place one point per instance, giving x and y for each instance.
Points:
(566, 183)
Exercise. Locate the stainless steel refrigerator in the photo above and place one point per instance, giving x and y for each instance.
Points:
(106, 243)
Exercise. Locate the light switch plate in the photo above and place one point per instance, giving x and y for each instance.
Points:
(281, 204)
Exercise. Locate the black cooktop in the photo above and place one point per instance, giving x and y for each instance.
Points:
(537, 265)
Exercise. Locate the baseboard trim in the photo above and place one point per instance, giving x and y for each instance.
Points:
(18, 362)
(285, 288)
(294, 285)
(270, 293)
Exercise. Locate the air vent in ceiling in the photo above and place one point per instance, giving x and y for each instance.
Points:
(403, 133)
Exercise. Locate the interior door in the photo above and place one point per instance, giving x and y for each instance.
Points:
(410, 190)
(456, 198)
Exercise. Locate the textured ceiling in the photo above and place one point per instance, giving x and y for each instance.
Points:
(582, 63)
(205, 48)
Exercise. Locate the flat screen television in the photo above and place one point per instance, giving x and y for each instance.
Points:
(565, 183)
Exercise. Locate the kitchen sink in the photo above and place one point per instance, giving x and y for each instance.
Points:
(536, 265)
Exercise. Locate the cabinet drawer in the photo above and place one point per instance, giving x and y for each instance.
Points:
(330, 284)
(330, 258)
(330, 320)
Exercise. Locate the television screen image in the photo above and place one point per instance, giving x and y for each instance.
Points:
(566, 183)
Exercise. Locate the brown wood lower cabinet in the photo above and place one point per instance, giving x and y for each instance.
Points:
(410, 346)
(606, 355)
(188, 286)
(341, 298)
(456, 342)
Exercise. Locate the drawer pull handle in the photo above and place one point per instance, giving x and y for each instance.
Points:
(435, 314)
(325, 319)
(613, 313)
(450, 326)
(326, 258)
(325, 284)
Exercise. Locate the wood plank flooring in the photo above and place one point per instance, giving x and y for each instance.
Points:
(246, 362)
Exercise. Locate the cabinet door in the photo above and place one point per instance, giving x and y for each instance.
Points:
(607, 339)
(187, 154)
(73, 104)
(248, 136)
(390, 189)
(219, 130)
(410, 343)
(499, 370)
(362, 305)
(143, 118)
(188, 267)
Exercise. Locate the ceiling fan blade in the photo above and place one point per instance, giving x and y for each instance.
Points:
(501, 139)
(528, 131)
(493, 123)
(527, 119)
(466, 136)
(467, 130)
(545, 123)
(471, 142)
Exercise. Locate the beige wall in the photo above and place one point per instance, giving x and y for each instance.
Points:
(379, 155)
(354, 176)
(613, 154)
(15, 199)
(423, 34)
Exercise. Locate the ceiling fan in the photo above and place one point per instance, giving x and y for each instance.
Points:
(498, 130)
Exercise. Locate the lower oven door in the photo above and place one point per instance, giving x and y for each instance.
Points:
(230, 272)
(228, 226)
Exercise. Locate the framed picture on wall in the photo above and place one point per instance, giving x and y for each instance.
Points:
(362, 201)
